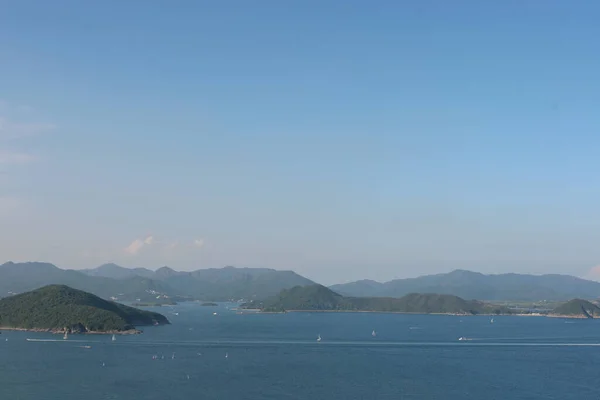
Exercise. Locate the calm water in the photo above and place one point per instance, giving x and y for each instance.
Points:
(276, 356)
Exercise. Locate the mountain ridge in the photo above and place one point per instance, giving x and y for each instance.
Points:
(141, 284)
(231, 283)
(475, 285)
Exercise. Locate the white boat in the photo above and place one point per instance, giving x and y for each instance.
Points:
(114, 338)
(492, 321)
(214, 313)
(226, 355)
(173, 356)
(66, 336)
(373, 333)
(319, 338)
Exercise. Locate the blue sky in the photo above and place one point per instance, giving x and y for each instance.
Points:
(341, 139)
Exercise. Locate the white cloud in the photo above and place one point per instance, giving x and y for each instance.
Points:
(137, 245)
(198, 243)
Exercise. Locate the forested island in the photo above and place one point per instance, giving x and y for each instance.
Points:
(320, 298)
(59, 308)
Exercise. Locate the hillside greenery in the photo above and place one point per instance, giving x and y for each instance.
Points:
(577, 308)
(59, 307)
(320, 298)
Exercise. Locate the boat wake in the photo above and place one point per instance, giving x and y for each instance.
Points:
(471, 342)
(62, 341)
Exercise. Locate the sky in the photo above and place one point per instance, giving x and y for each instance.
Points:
(340, 139)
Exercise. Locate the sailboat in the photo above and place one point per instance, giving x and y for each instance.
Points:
(173, 356)
(226, 355)
(373, 333)
(114, 338)
(492, 321)
(319, 338)
(66, 336)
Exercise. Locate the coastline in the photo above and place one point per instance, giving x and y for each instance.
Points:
(569, 316)
(62, 331)
(402, 312)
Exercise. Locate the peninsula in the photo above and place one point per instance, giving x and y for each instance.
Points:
(59, 309)
(321, 298)
(576, 308)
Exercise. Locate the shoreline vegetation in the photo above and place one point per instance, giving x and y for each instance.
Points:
(62, 331)
(259, 311)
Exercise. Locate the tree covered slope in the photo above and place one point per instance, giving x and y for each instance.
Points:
(59, 307)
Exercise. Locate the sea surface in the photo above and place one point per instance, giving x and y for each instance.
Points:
(230, 356)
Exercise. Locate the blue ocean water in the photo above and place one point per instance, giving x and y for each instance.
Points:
(276, 356)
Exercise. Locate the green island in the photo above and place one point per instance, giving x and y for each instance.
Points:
(59, 308)
(321, 298)
(576, 308)
(209, 304)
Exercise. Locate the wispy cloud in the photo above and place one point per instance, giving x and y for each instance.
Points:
(138, 244)
(198, 242)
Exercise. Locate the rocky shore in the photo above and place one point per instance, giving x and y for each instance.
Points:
(73, 332)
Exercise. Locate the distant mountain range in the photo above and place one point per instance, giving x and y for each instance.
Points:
(474, 285)
(113, 281)
(220, 284)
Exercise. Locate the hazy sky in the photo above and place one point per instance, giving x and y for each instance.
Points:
(341, 139)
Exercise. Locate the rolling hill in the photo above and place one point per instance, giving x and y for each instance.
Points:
(115, 271)
(577, 308)
(321, 298)
(59, 308)
(474, 285)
